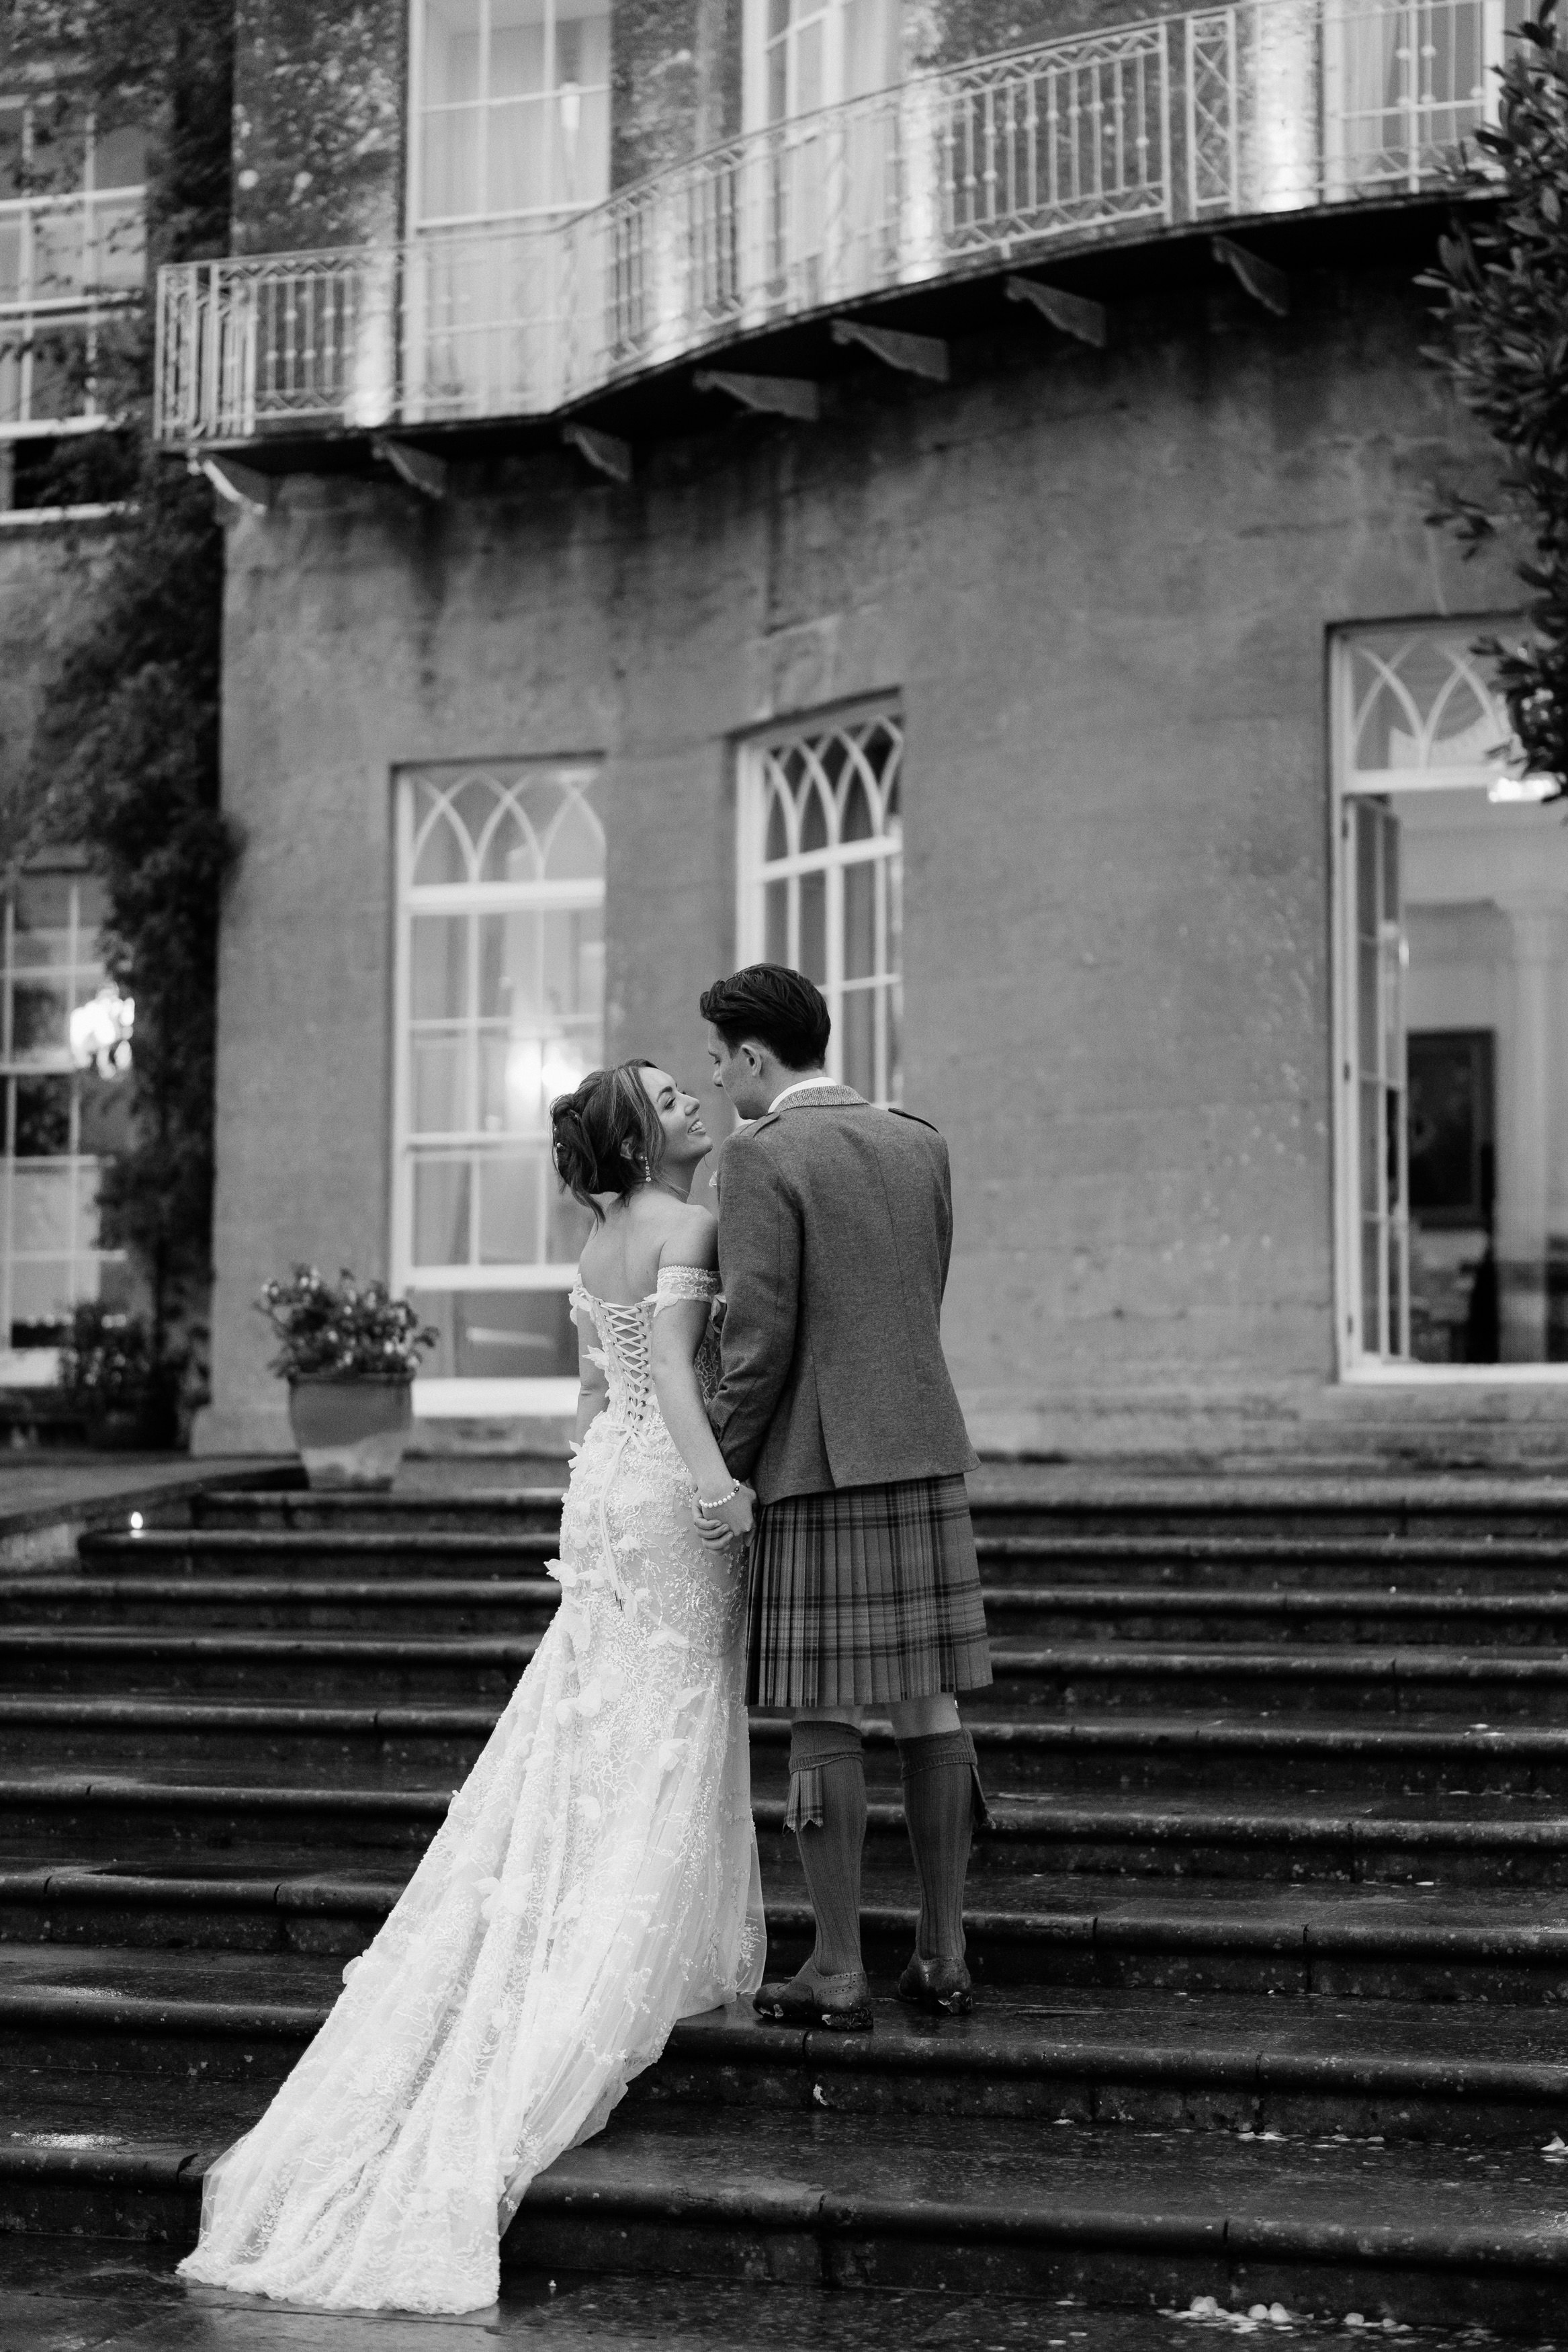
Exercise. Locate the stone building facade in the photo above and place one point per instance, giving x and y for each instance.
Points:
(1069, 679)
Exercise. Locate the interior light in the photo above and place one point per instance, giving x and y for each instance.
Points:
(136, 1523)
(1504, 791)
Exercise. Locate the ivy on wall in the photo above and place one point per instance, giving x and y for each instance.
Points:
(1502, 282)
(125, 756)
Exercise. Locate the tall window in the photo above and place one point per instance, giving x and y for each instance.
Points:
(822, 879)
(514, 108)
(71, 252)
(1453, 1006)
(501, 1007)
(60, 1121)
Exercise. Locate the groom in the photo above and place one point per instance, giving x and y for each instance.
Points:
(835, 1229)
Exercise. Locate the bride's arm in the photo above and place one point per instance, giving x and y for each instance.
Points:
(677, 1333)
(592, 1386)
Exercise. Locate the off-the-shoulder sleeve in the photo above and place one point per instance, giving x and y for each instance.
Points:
(676, 1282)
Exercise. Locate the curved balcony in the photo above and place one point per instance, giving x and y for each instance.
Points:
(1207, 119)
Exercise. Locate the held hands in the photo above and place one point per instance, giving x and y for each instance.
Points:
(727, 1520)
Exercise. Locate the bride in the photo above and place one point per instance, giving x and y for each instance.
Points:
(596, 1877)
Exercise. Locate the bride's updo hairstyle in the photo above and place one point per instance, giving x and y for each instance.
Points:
(606, 1137)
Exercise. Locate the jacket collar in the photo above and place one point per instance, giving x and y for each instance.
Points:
(826, 1095)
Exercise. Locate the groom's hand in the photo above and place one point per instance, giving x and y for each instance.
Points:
(731, 1522)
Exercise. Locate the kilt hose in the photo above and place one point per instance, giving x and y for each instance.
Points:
(864, 1595)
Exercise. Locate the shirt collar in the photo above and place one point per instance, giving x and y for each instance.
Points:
(800, 1087)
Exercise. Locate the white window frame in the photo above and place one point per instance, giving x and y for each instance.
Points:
(753, 872)
(448, 223)
(39, 1367)
(27, 311)
(465, 1398)
(1356, 1365)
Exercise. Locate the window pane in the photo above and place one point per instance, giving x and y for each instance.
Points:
(813, 960)
(1370, 1147)
(116, 259)
(858, 1024)
(439, 1095)
(103, 1114)
(440, 967)
(860, 922)
(568, 1225)
(508, 1208)
(574, 963)
(119, 158)
(41, 1199)
(857, 824)
(10, 259)
(451, 51)
(1366, 1005)
(41, 919)
(452, 164)
(518, 49)
(1371, 1289)
(41, 1291)
(777, 829)
(43, 1117)
(776, 923)
(894, 1074)
(441, 1199)
(814, 824)
(576, 848)
(509, 967)
(443, 856)
(1365, 820)
(499, 1334)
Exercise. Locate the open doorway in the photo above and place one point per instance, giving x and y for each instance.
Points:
(1453, 985)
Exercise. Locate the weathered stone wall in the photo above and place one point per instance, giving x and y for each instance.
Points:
(319, 103)
(1102, 583)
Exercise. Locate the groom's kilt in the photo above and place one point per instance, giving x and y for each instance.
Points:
(865, 1595)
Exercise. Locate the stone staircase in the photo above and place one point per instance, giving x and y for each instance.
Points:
(1272, 1923)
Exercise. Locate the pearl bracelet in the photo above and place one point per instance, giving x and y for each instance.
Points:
(719, 1501)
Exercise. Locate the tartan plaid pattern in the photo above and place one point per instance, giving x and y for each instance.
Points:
(864, 1595)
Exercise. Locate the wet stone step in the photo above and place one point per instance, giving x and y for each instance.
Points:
(1449, 1563)
(477, 1509)
(316, 1667)
(391, 1744)
(1140, 2217)
(1107, 2058)
(351, 1554)
(1472, 1842)
(348, 1668)
(212, 1594)
(1341, 1940)
(108, 2291)
(403, 1604)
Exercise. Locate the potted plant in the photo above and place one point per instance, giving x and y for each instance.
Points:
(348, 1351)
(127, 1396)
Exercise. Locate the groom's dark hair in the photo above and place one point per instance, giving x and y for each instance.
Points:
(773, 1007)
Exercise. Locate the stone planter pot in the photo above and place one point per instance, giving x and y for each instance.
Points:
(350, 1432)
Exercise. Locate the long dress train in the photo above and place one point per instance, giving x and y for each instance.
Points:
(595, 1879)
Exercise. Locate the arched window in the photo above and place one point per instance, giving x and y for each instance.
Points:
(821, 883)
(501, 1007)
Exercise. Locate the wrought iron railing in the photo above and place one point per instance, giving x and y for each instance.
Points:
(1217, 114)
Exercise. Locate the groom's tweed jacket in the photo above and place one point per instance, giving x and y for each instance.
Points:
(835, 1226)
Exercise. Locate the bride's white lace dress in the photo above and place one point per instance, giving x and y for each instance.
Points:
(594, 1880)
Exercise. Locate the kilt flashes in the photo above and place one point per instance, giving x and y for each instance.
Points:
(863, 1595)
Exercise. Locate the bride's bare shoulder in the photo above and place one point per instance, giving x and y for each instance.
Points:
(692, 1238)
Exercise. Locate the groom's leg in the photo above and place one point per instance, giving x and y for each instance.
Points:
(827, 1813)
(940, 1798)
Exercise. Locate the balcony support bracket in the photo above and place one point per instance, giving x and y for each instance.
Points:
(912, 354)
(600, 449)
(1257, 277)
(240, 486)
(770, 396)
(1072, 313)
(417, 467)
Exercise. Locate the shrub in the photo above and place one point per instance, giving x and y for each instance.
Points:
(346, 1331)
